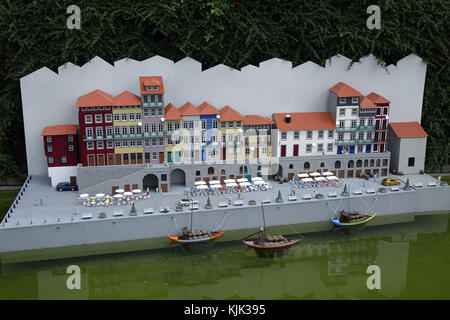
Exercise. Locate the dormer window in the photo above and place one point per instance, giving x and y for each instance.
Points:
(49, 139)
(342, 100)
(354, 99)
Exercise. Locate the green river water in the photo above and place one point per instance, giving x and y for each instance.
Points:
(413, 257)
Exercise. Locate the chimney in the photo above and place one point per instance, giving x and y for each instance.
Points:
(287, 118)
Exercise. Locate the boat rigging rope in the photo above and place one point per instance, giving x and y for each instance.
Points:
(223, 219)
(334, 210)
(370, 208)
(176, 225)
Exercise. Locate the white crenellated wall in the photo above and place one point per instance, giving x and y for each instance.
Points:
(49, 98)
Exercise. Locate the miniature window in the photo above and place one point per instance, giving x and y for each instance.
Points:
(99, 131)
(238, 124)
(160, 111)
(309, 134)
(154, 156)
(320, 134)
(124, 117)
(320, 147)
(49, 148)
(369, 135)
(223, 124)
(138, 130)
(214, 124)
(341, 124)
(378, 111)
(203, 124)
(100, 145)
(342, 111)
(330, 134)
(161, 141)
(108, 117)
(411, 161)
(354, 111)
(146, 112)
(98, 118)
(71, 147)
(63, 159)
(351, 164)
(322, 164)
(361, 122)
(342, 100)
(330, 147)
(69, 138)
(370, 122)
(385, 111)
(131, 116)
(378, 162)
(109, 145)
(291, 166)
(306, 166)
(160, 127)
(360, 148)
(49, 139)
(153, 112)
(197, 173)
(308, 147)
(132, 130)
(116, 117)
(50, 160)
(117, 144)
(296, 135)
(353, 136)
(340, 136)
(109, 131)
(132, 143)
(88, 118)
(283, 135)
(337, 165)
(164, 177)
(354, 99)
(124, 143)
(90, 145)
(375, 147)
(353, 123)
(361, 136)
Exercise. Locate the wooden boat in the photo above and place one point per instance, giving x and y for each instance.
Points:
(352, 219)
(197, 236)
(268, 246)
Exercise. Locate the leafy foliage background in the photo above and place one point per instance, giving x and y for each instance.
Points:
(236, 33)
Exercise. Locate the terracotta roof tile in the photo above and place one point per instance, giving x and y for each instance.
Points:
(229, 114)
(366, 103)
(305, 121)
(126, 98)
(151, 81)
(207, 109)
(60, 130)
(171, 112)
(252, 120)
(188, 109)
(377, 99)
(408, 129)
(96, 98)
(343, 90)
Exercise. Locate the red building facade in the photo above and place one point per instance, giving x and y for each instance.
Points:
(95, 119)
(60, 145)
(381, 122)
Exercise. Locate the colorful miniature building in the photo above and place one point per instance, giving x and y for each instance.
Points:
(381, 121)
(174, 143)
(230, 128)
(61, 151)
(257, 137)
(407, 144)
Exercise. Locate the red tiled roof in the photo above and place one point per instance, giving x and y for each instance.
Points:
(408, 129)
(60, 130)
(126, 98)
(188, 109)
(151, 81)
(229, 114)
(171, 112)
(366, 103)
(252, 120)
(207, 109)
(377, 99)
(96, 98)
(305, 121)
(343, 90)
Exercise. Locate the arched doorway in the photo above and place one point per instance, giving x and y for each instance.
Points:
(150, 181)
(178, 178)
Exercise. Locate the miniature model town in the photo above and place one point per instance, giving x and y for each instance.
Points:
(138, 166)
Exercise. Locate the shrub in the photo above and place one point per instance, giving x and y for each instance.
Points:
(179, 208)
(279, 198)
(102, 215)
(252, 202)
(133, 210)
(382, 190)
(319, 196)
(344, 192)
(208, 204)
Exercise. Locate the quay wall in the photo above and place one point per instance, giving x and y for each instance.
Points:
(157, 226)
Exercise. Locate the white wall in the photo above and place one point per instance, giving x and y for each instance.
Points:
(49, 98)
(303, 141)
(61, 174)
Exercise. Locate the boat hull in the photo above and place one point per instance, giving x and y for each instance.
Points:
(253, 244)
(336, 222)
(197, 241)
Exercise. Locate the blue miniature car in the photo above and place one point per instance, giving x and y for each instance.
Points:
(63, 186)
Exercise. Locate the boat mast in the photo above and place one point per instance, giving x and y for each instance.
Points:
(348, 200)
(192, 210)
(264, 220)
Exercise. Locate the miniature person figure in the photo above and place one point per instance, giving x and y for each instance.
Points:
(41, 201)
(230, 199)
(261, 235)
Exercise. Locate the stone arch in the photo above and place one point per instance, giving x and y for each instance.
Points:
(378, 163)
(178, 177)
(306, 166)
(322, 165)
(243, 170)
(197, 173)
(351, 164)
(358, 163)
(210, 171)
(222, 172)
(337, 164)
(150, 181)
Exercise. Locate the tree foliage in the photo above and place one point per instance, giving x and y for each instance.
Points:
(236, 33)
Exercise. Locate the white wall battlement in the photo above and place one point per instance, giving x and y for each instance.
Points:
(49, 98)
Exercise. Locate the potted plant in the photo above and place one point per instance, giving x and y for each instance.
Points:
(279, 198)
(102, 215)
(319, 196)
(133, 211)
(208, 204)
(382, 190)
(179, 208)
(252, 202)
(344, 192)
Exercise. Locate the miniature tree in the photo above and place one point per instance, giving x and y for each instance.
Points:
(133, 210)
(279, 197)
(407, 185)
(345, 192)
(208, 204)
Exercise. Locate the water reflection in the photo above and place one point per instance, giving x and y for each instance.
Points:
(325, 265)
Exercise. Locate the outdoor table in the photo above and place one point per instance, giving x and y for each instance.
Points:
(371, 190)
(229, 181)
(306, 180)
(242, 180)
(120, 191)
(136, 190)
(320, 179)
(86, 216)
(332, 194)
(245, 184)
(215, 186)
(231, 184)
(238, 203)
(202, 187)
(198, 183)
(315, 174)
(395, 188)
(148, 210)
(266, 201)
(418, 184)
(223, 205)
(214, 182)
(84, 195)
(118, 213)
(357, 192)
(100, 195)
(306, 196)
(327, 173)
(259, 182)
(332, 178)
(303, 175)
(292, 198)
(256, 179)
(118, 196)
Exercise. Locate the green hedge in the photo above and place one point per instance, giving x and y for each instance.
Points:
(236, 33)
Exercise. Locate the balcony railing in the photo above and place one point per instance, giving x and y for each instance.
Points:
(345, 141)
(366, 127)
(340, 129)
(153, 104)
(365, 141)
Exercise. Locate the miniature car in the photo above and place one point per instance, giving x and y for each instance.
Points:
(186, 202)
(64, 186)
(390, 182)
